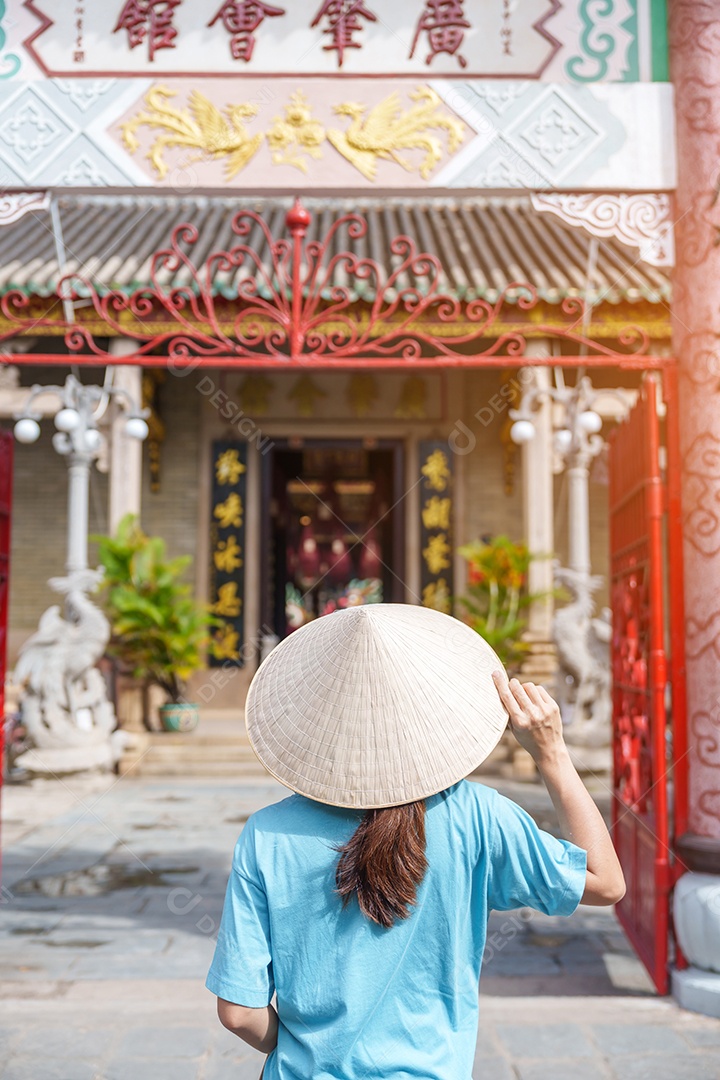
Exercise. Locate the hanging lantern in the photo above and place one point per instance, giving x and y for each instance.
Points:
(340, 563)
(308, 558)
(371, 556)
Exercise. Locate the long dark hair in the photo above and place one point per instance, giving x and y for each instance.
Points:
(384, 861)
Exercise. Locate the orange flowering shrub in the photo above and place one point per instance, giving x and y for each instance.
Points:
(497, 594)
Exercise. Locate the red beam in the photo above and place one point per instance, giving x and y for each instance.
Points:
(640, 362)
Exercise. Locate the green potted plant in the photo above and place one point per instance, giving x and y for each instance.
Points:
(497, 595)
(159, 631)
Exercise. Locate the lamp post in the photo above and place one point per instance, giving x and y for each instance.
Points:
(77, 438)
(65, 708)
(577, 441)
(582, 640)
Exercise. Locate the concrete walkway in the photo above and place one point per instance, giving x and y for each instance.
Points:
(112, 892)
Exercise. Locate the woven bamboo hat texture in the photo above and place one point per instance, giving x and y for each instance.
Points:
(375, 706)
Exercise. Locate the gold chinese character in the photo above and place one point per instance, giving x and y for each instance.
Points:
(225, 643)
(436, 470)
(227, 557)
(436, 553)
(436, 513)
(228, 467)
(437, 595)
(228, 602)
(230, 512)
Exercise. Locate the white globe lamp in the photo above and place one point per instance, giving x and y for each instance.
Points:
(563, 440)
(590, 422)
(93, 439)
(136, 428)
(522, 431)
(27, 430)
(67, 420)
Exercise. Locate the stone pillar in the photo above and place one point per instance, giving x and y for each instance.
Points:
(694, 33)
(538, 527)
(578, 481)
(539, 530)
(125, 480)
(79, 465)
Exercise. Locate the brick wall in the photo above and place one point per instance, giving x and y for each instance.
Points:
(488, 509)
(172, 512)
(39, 530)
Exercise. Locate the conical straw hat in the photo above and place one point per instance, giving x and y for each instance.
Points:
(375, 706)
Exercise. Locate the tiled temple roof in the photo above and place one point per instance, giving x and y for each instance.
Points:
(483, 243)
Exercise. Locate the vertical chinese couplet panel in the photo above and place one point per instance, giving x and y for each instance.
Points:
(227, 551)
(436, 532)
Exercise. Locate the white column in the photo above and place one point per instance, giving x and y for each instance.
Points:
(125, 453)
(537, 493)
(79, 465)
(578, 477)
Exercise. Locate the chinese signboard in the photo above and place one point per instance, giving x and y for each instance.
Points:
(436, 524)
(574, 41)
(339, 94)
(227, 551)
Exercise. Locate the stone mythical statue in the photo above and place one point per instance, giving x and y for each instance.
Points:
(64, 702)
(583, 644)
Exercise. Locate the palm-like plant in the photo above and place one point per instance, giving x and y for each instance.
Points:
(159, 631)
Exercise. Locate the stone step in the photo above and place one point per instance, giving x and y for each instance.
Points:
(199, 738)
(177, 747)
(237, 769)
(219, 750)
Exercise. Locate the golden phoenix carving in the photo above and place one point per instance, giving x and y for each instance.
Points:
(386, 129)
(202, 127)
(382, 132)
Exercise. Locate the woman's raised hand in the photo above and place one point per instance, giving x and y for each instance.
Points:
(534, 716)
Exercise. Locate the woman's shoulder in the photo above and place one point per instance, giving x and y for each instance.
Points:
(272, 819)
(469, 793)
(298, 814)
(270, 815)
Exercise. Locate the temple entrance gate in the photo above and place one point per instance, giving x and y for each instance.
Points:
(293, 305)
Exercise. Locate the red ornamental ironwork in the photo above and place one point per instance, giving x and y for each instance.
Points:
(640, 820)
(632, 742)
(296, 300)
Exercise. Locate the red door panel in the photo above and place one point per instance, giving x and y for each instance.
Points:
(6, 471)
(640, 816)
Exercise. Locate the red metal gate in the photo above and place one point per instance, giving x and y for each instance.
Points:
(641, 828)
(6, 472)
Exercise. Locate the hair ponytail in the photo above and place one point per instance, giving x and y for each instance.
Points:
(384, 862)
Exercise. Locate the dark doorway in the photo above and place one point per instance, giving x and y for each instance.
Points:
(332, 533)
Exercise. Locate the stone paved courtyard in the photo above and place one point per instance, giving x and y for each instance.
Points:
(112, 891)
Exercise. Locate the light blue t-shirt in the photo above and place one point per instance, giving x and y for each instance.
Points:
(357, 1001)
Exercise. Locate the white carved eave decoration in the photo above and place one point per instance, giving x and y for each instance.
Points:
(14, 205)
(640, 221)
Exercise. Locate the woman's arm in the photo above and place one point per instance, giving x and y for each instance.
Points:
(257, 1027)
(537, 725)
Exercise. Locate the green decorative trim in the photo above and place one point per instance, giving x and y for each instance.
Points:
(9, 58)
(659, 41)
(595, 47)
(632, 73)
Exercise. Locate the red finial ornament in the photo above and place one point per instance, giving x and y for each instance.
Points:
(298, 218)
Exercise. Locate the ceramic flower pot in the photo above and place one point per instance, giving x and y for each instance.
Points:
(179, 717)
